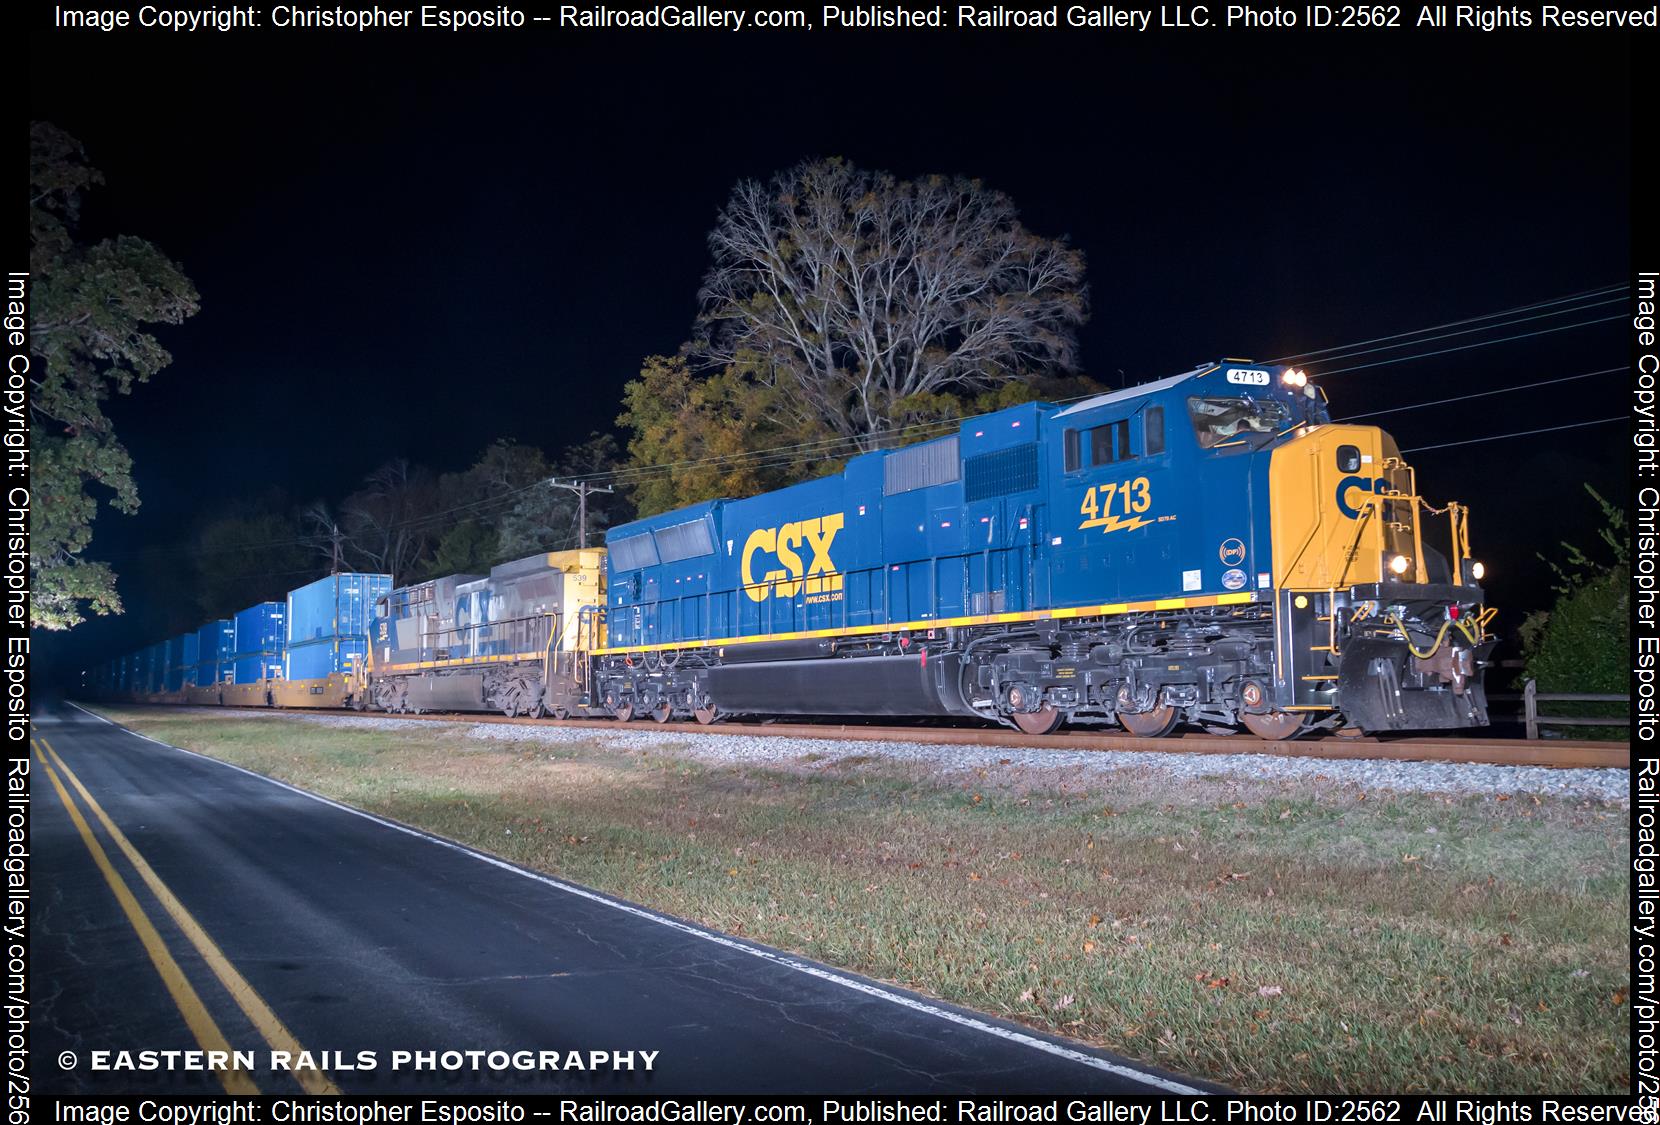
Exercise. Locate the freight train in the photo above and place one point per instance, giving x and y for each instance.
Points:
(1208, 549)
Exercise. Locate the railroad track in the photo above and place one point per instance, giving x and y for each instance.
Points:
(1558, 754)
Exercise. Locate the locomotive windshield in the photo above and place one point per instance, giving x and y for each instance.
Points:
(1220, 420)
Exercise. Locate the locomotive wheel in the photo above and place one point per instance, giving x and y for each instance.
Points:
(663, 712)
(1045, 720)
(511, 708)
(705, 715)
(560, 713)
(1156, 723)
(1278, 726)
(623, 712)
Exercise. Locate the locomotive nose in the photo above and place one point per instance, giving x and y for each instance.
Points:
(1376, 603)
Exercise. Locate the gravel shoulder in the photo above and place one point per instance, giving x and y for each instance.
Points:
(1078, 766)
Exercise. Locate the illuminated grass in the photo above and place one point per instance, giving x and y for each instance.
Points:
(1273, 936)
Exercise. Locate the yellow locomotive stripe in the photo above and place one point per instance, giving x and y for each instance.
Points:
(1242, 598)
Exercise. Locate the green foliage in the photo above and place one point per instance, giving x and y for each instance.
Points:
(1582, 643)
(725, 435)
(467, 548)
(89, 304)
(697, 438)
(247, 557)
(502, 508)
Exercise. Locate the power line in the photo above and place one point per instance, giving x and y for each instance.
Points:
(1480, 394)
(1345, 354)
(1455, 323)
(1465, 347)
(1519, 433)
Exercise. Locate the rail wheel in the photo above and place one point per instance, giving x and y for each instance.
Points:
(1045, 720)
(1276, 726)
(1156, 723)
(663, 712)
(705, 714)
(623, 712)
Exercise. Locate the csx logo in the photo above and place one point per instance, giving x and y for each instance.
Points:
(1364, 484)
(783, 544)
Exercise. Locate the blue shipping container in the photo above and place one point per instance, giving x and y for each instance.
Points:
(328, 624)
(341, 605)
(213, 651)
(180, 662)
(153, 668)
(256, 651)
(324, 656)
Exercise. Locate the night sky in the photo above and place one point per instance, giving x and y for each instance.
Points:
(409, 245)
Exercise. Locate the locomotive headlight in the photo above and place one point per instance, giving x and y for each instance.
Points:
(1295, 378)
(1477, 571)
(1399, 564)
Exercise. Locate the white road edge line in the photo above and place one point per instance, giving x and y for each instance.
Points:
(706, 935)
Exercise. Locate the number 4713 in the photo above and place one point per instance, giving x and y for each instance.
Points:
(1134, 496)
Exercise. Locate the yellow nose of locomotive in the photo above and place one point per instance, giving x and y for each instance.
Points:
(1378, 614)
(1346, 512)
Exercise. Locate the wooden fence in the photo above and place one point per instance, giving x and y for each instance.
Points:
(1530, 697)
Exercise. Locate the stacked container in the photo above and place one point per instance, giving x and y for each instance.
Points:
(181, 663)
(213, 652)
(328, 624)
(154, 676)
(256, 650)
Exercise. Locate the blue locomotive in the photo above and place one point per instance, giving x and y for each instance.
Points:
(1209, 548)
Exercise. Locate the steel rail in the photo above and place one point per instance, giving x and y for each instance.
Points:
(1552, 753)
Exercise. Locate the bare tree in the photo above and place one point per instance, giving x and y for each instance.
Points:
(388, 522)
(871, 297)
(322, 531)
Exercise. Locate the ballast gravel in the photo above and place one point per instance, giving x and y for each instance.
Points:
(1608, 785)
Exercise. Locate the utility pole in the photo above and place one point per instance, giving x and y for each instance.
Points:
(334, 537)
(582, 488)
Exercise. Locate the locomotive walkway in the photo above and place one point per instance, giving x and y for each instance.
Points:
(184, 904)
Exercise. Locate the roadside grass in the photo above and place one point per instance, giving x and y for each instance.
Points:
(1284, 936)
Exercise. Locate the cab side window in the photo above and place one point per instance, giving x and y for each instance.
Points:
(1110, 443)
(1071, 442)
(1153, 440)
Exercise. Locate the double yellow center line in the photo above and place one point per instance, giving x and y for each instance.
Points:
(195, 1013)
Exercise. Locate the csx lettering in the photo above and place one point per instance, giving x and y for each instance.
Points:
(786, 579)
(1365, 484)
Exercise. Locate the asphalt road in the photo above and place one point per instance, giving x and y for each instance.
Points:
(292, 923)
